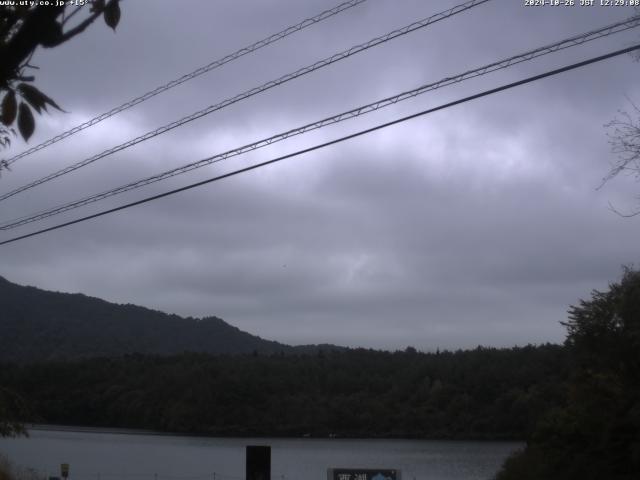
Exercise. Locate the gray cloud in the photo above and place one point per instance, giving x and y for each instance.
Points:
(476, 225)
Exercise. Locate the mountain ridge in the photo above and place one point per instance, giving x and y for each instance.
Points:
(42, 325)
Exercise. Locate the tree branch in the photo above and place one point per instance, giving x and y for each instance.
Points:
(81, 27)
(71, 15)
(620, 214)
(26, 39)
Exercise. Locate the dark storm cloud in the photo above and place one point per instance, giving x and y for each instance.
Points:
(478, 224)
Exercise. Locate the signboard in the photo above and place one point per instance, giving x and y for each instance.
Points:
(362, 474)
(64, 470)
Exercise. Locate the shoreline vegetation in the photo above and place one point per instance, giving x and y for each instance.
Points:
(594, 433)
(127, 431)
(480, 394)
(10, 471)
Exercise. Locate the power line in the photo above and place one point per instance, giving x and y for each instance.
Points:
(331, 142)
(362, 110)
(189, 76)
(249, 93)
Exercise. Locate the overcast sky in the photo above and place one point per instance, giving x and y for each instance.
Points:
(479, 224)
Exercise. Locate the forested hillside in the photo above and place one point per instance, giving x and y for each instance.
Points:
(482, 393)
(37, 325)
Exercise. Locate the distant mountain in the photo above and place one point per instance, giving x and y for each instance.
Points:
(39, 325)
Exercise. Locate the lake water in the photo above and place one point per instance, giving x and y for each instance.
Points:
(111, 456)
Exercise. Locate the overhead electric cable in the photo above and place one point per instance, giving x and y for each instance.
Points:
(249, 93)
(189, 76)
(331, 142)
(362, 110)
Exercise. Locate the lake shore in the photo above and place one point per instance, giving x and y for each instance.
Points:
(133, 431)
(122, 454)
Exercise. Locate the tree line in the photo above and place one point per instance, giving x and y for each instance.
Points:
(484, 393)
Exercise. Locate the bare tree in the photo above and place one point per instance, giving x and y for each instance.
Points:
(624, 139)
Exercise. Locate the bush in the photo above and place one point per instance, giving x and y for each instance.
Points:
(8, 471)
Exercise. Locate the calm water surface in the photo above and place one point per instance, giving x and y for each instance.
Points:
(111, 456)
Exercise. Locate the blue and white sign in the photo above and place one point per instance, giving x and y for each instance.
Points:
(362, 474)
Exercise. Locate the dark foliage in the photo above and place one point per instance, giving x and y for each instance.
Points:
(595, 432)
(482, 393)
(13, 408)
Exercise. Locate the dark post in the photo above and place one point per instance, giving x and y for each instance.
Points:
(258, 462)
